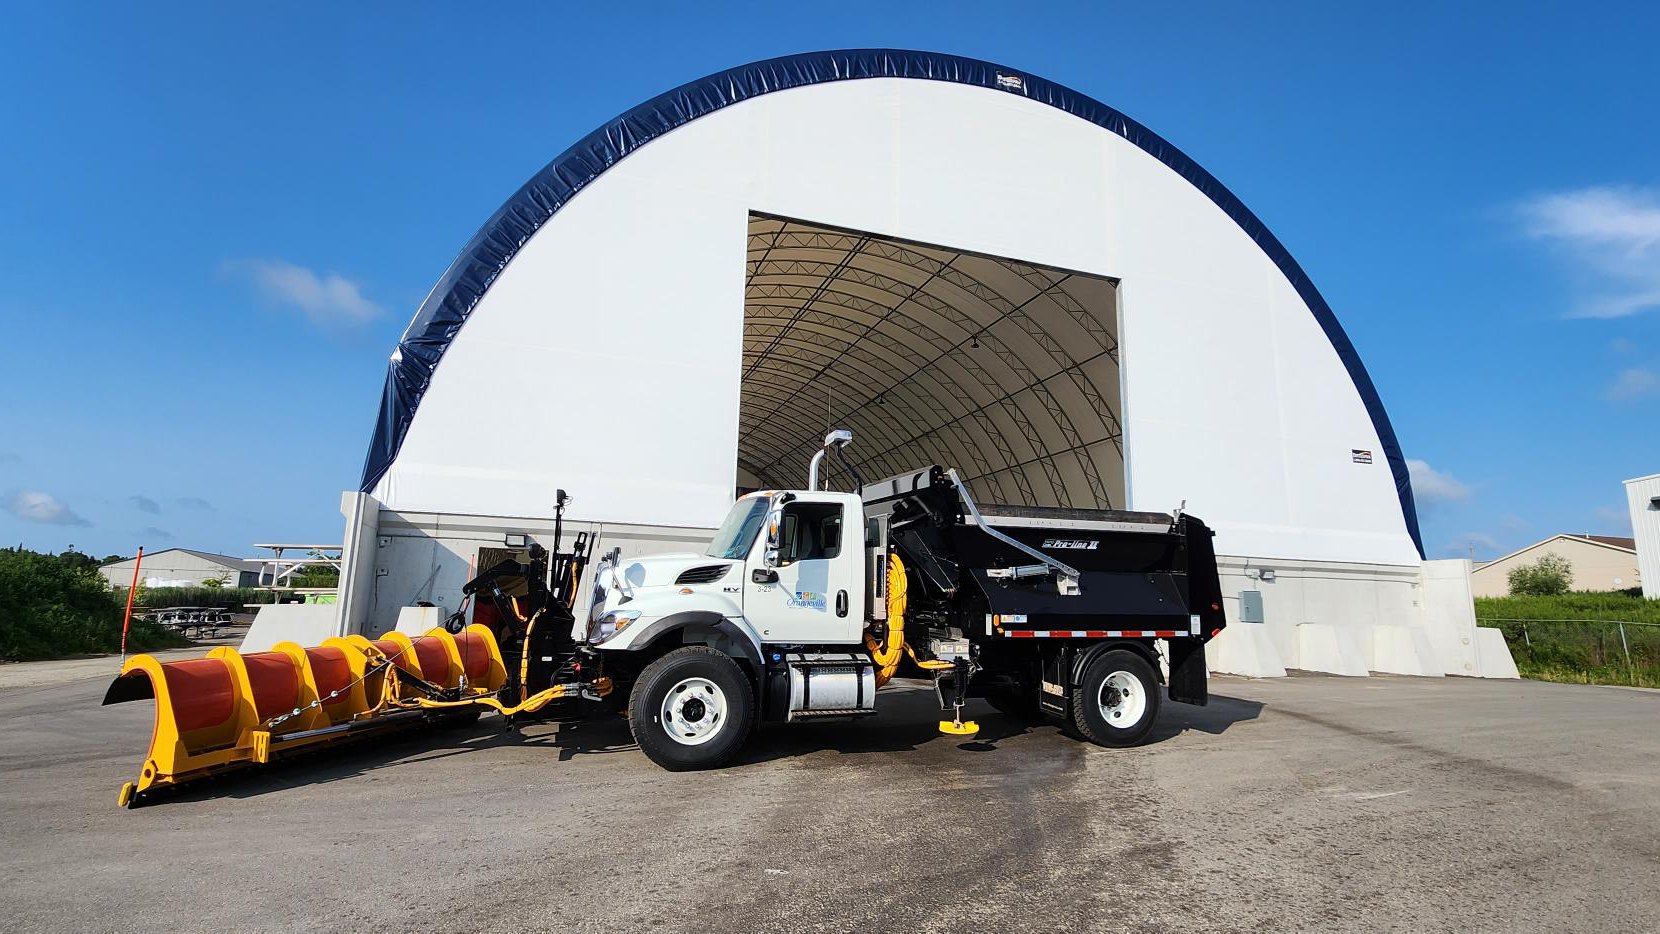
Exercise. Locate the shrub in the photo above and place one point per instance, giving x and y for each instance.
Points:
(50, 607)
(225, 598)
(1550, 576)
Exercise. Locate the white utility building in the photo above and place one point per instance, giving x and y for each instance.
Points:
(182, 567)
(1643, 497)
(963, 263)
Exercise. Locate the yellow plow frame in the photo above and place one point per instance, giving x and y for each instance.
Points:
(230, 710)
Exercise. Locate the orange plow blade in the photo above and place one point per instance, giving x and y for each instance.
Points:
(230, 710)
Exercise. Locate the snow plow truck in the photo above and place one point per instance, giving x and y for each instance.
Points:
(805, 603)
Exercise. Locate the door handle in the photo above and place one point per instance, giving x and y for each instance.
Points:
(764, 576)
(841, 603)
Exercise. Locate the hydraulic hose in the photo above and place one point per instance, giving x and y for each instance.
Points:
(888, 653)
(524, 656)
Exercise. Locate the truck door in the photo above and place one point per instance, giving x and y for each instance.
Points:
(812, 593)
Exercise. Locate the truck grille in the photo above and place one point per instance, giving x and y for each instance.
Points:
(703, 575)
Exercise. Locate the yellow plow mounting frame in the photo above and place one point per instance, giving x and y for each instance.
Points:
(230, 710)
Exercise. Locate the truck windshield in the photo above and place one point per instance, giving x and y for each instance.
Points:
(737, 533)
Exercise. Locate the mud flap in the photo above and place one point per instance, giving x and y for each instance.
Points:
(1189, 679)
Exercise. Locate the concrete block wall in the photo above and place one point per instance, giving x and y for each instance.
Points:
(1332, 648)
(300, 623)
(414, 557)
(1353, 619)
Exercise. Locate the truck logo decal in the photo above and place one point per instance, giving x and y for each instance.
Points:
(1074, 544)
(807, 599)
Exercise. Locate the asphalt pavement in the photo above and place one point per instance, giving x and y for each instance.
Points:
(1305, 803)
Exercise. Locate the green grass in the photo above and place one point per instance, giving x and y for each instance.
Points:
(1576, 637)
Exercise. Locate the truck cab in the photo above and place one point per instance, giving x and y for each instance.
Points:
(784, 567)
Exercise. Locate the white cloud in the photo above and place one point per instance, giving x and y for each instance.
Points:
(145, 504)
(1610, 237)
(152, 532)
(1431, 486)
(1480, 545)
(329, 299)
(1632, 383)
(35, 506)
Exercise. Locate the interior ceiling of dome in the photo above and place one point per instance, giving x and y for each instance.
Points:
(1006, 370)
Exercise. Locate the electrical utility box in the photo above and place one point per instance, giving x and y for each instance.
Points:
(1250, 606)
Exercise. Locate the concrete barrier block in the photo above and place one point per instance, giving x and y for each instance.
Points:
(1449, 614)
(1404, 650)
(418, 620)
(1245, 649)
(1493, 654)
(304, 623)
(1332, 649)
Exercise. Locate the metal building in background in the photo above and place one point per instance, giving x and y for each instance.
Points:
(1643, 498)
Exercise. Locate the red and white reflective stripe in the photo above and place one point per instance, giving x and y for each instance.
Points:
(1093, 633)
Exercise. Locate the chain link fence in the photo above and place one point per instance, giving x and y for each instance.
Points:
(1583, 651)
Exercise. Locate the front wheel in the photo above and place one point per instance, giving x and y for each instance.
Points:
(1116, 700)
(691, 709)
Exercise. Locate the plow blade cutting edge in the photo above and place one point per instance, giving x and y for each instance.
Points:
(230, 710)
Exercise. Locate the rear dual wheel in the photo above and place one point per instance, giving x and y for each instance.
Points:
(691, 709)
(1117, 700)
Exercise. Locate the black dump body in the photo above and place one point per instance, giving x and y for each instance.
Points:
(1136, 571)
(1139, 575)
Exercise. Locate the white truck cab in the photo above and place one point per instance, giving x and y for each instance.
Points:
(784, 567)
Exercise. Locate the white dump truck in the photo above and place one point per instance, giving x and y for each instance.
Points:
(807, 601)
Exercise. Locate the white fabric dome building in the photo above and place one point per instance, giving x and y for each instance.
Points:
(964, 264)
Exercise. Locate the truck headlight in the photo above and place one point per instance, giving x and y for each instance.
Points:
(610, 624)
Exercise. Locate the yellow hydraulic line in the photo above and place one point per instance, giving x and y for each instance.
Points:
(601, 686)
(888, 653)
(524, 653)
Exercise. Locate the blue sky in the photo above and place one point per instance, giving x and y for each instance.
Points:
(216, 219)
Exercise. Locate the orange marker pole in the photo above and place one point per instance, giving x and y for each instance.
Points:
(132, 590)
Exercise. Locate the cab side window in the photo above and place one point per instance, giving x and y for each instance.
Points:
(809, 531)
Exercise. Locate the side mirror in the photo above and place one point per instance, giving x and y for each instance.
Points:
(775, 520)
(764, 576)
